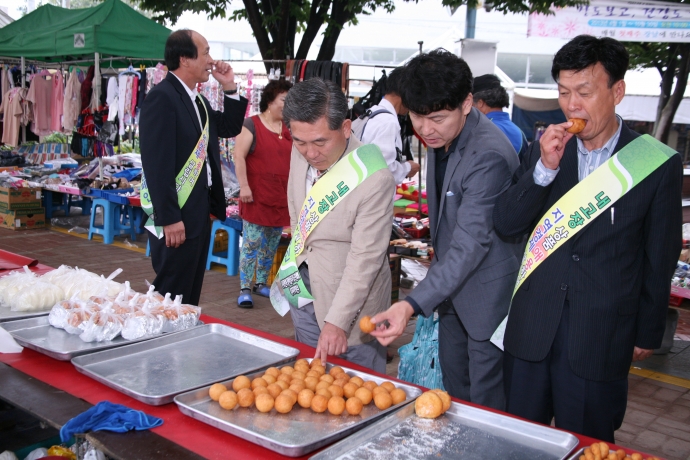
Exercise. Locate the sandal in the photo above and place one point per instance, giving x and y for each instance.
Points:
(262, 290)
(245, 300)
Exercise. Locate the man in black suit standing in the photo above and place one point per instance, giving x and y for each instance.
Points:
(181, 162)
(598, 302)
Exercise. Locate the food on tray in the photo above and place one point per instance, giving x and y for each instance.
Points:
(291, 394)
(304, 398)
(336, 390)
(349, 389)
(367, 325)
(284, 403)
(428, 405)
(319, 403)
(264, 402)
(245, 397)
(370, 385)
(383, 400)
(335, 370)
(336, 405)
(601, 450)
(228, 400)
(259, 382)
(364, 395)
(388, 386)
(324, 392)
(357, 381)
(240, 382)
(445, 398)
(398, 395)
(578, 124)
(260, 391)
(378, 390)
(274, 390)
(353, 406)
(327, 378)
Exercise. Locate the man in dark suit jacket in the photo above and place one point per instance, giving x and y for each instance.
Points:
(171, 122)
(470, 163)
(599, 302)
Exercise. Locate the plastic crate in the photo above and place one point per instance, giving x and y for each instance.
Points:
(98, 193)
(417, 233)
(117, 196)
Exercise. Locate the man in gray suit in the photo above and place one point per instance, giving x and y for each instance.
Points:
(470, 163)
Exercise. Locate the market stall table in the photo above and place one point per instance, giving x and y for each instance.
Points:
(29, 381)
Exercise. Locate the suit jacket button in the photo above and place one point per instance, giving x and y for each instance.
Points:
(564, 287)
(576, 258)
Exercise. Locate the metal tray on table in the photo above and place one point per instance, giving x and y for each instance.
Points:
(6, 314)
(462, 432)
(37, 334)
(293, 434)
(155, 371)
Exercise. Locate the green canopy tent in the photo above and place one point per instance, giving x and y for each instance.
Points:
(111, 29)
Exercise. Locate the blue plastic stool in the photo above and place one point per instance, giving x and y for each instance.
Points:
(130, 221)
(231, 257)
(112, 221)
(67, 201)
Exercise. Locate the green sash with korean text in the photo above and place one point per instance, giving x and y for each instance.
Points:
(586, 201)
(324, 196)
(184, 182)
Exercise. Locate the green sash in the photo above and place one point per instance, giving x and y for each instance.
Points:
(586, 201)
(184, 182)
(325, 195)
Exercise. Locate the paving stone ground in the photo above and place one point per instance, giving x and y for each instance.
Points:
(657, 420)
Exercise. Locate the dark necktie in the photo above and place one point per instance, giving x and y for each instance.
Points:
(202, 112)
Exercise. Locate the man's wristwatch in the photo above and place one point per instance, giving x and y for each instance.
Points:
(230, 92)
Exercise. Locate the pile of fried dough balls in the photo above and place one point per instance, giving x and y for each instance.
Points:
(432, 404)
(601, 451)
(309, 386)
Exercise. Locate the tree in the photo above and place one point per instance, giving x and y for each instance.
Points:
(276, 23)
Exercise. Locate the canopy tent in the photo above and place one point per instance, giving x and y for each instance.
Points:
(112, 29)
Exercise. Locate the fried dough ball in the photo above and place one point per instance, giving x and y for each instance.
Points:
(282, 384)
(311, 382)
(428, 405)
(335, 370)
(340, 382)
(240, 382)
(445, 399)
(367, 325)
(336, 390)
(259, 382)
(297, 387)
(320, 369)
(264, 402)
(245, 397)
(610, 456)
(336, 405)
(304, 398)
(298, 375)
(398, 395)
(285, 378)
(301, 362)
(357, 381)
(315, 362)
(269, 378)
(370, 385)
(274, 371)
(312, 373)
(291, 394)
(620, 453)
(378, 390)
(353, 406)
(364, 395)
(287, 370)
(216, 390)
(388, 386)
(578, 125)
(260, 391)
(636, 456)
(303, 368)
(322, 384)
(324, 392)
(319, 403)
(343, 376)
(383, 400)
(327, 378)
(274, 390)
(284, 403)
(228, 400)
(349, 389)
(603, 447)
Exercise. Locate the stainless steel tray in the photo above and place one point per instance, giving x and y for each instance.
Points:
(8, 315)
(37, 333)
(462, 432)
(294, 434)
(156, 370)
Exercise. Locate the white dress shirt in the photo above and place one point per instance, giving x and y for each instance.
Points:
(384, 131)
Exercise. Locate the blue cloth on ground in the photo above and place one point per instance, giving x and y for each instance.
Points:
(111, 417)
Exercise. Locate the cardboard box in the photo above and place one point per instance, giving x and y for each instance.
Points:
(22, 219)
(11, 198)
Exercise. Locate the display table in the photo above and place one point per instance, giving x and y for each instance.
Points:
(31, 381)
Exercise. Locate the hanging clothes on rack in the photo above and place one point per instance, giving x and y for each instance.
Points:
(72, 101)
(96, 90)
(86, 89)
(57, 101)
(40, 95)
(13, 110)
(112, 98)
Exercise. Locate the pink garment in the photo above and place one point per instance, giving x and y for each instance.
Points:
(57, 102)
(135, 90)
(12, 107)
(40, 94)
(72, 102)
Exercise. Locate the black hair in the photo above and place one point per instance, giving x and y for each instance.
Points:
(310, 100)
(584, 51)
(495, 97)
(438, 80)
(393, 81)
(271, 92)
(179, 44)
